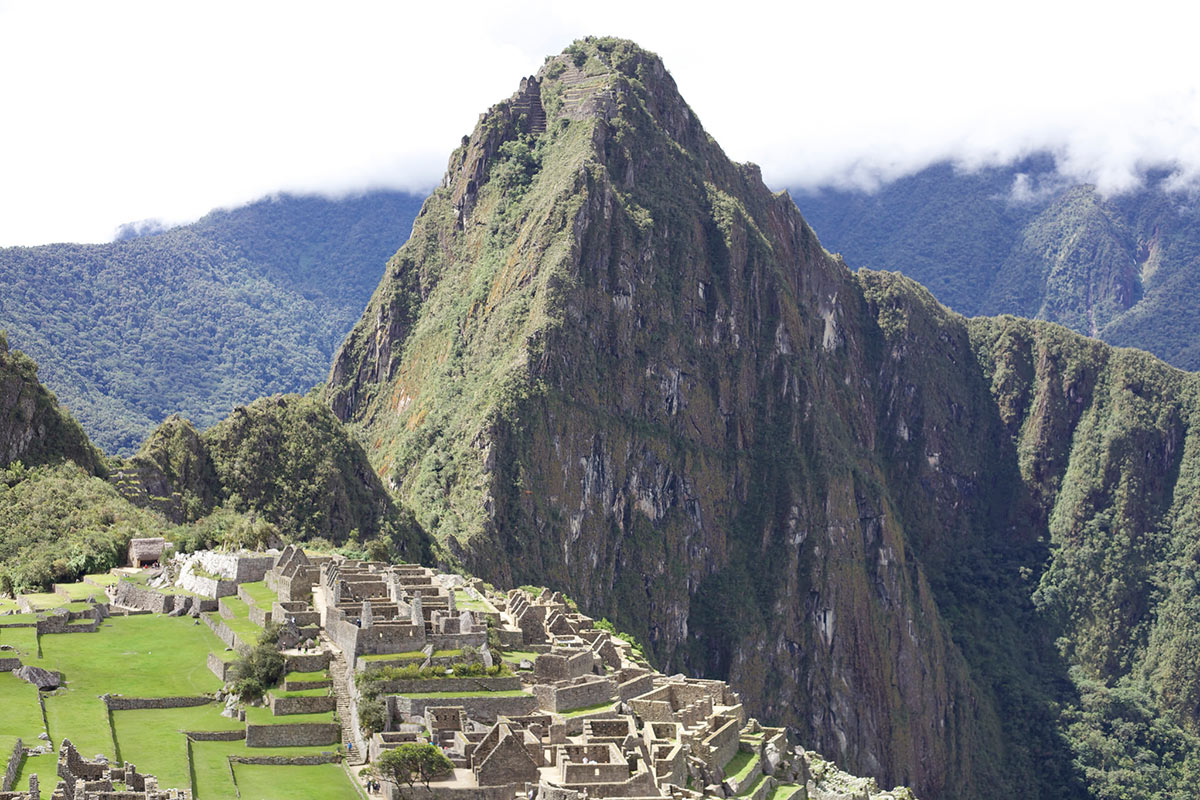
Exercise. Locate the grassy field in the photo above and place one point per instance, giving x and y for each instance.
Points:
(783, 791)
(142, 656)
(263, 596)
(467, 603)
(101, 579)
(579, 712)
(7, 604)
(517, 656)
(153, 739)
(269, 782)
(240, 622)
(45, 767)
(22, 715)
(319, 675)
(80, 591)
(25, 640)
(210, 763)
(45, 600)
(740, 765)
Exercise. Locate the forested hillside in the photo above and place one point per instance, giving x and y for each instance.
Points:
(197, 319)
(1023, 240)
(958, 554)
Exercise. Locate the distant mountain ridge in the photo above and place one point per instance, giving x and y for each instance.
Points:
(1021, 239)
(197, 319)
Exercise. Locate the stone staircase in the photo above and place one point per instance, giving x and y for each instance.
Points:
(339, 671)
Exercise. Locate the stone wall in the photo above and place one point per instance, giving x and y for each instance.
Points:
(219, 666)
(289, 761)
(14, 764)
(635, 687)
(9, 663)
(568, 697)
(484, 709)
(282, 706)
(409, 686)
(563, 666)
(116, 702)
(298, 611)
(307, 734)
(307, 662)
(216, 736)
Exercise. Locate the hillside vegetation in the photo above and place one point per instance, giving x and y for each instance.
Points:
(200, 318)
(1023, 240)
(955, 554)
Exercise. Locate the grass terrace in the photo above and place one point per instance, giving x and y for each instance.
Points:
(318, 675)
(214, 775)
(753, 787)
(101, 579)
(8, 605)
(153, 739)
(22, 715)
(410, 655)
(45, 767)
(24, 639)
(467, 603)
(141, 656)
(45, 600)
(271, 782)
(262, 596)
(80, 591)
(740, 765)
(783, 791)
(585, 710)
(517, 656)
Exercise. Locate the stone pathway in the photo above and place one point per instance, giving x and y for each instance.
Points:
(339, 671)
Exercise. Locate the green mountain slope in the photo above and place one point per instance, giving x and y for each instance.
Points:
(34, 429)
(1020, 240)
(201, 318)
(612, 361)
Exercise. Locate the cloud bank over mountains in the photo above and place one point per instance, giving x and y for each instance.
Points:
(143, 110)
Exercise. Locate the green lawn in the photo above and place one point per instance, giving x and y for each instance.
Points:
(210, 762)
(153, 739)
(783, 791)
(7, 604)
(101, 579)
(410, 655)
(465, 602)
(752, 787)
(263, 596)
(245, 630)
(517, 656)
(257, 715)
(22, 715)
(579, 712)
(740, 765)
(45, 600)
(24, 639)
(45, 767)
(142, 656)
(80, 591)
(318, 675)
(270, 782)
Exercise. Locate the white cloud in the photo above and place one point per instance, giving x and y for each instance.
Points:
(130, 110)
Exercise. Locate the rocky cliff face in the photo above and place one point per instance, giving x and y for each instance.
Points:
(34, 429)
(611, 360)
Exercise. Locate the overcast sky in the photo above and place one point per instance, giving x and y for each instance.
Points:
(121, 111)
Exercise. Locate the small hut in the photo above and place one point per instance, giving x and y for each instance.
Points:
(146, 552)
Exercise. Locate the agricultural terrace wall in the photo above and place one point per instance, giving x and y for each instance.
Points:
(307, 662)
(420, 685)
(219, 666)
(116, 702)
(8, 664)
(216, 736)
(282, 706)
(442, 792)
(562, 666)
(14, 764)
(289, 761)
(722, 744)
(305, 734)
(482, 708)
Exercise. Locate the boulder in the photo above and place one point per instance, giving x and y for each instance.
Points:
(44, 679)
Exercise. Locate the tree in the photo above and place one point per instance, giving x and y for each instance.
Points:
(411, 763)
